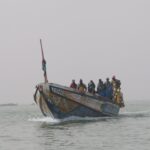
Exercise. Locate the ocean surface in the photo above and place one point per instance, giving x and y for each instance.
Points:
(23, 127)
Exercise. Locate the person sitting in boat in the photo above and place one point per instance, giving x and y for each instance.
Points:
(73, 85)
(101, 88)
(109, 89)
(91, 87)
(82, 87)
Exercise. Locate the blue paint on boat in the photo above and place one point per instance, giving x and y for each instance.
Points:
(80, 111)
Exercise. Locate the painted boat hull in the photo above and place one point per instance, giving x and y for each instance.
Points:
(61, 102)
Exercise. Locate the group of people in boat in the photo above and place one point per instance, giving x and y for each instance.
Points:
(110, 89)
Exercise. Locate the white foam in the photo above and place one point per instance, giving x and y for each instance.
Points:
(45, 119)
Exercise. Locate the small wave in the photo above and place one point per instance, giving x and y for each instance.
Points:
(8, 104)
(145, 113)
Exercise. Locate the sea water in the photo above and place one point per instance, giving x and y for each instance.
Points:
(22, 127)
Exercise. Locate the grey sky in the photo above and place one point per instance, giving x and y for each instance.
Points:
(88, 39)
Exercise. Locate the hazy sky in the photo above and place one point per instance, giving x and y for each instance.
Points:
(88, 39)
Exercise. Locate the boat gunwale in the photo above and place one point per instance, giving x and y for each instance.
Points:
(75, 91)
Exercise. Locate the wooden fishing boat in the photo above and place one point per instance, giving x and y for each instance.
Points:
(60, 101)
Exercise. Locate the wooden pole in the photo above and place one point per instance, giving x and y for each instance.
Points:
(43, 63)
(42, 49)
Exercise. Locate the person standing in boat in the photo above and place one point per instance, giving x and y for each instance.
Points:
(109, 89)
(107, 83)
(73, 85)
(117, 95)
(101, 88)
(91, 87)
(116, 83)
(82, 87)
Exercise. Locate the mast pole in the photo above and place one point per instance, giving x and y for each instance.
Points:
(43, 63)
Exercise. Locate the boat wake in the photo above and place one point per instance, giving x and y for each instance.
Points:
(73, 119)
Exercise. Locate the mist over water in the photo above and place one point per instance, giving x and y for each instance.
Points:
(24, 127)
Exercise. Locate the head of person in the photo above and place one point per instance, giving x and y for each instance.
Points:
(73, 81)
(100, 80)
(107, 79)
(113, 78)
(81, 81)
